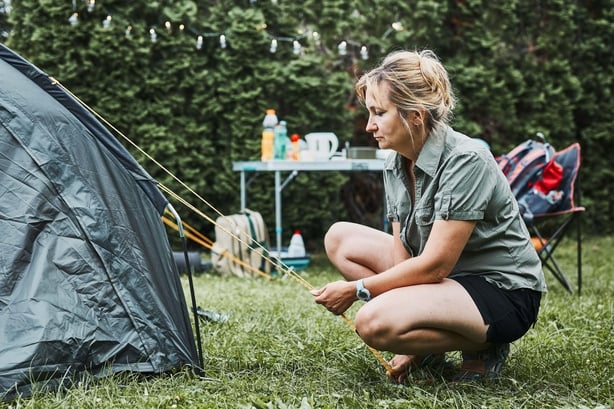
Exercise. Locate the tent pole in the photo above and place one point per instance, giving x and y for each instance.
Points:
(192, 292)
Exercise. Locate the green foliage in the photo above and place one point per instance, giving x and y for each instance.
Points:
(518, 67)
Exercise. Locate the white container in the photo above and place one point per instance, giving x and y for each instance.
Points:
(297, 245)
(322, 144)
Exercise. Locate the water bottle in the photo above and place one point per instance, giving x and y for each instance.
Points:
(297, 246)
(281, 139)
(268, 135)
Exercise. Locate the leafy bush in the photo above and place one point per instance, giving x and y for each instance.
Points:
(519, 67)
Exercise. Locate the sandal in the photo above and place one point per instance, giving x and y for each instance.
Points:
(484, 364)
(429, 361)
(433, 361)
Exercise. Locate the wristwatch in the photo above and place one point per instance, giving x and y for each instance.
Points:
(361, 292)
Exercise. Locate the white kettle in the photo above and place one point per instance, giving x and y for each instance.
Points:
(323, 145)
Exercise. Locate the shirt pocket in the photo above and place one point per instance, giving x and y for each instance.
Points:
(424, 219)
(425, 215)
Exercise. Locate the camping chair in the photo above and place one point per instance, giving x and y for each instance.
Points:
(550, 211)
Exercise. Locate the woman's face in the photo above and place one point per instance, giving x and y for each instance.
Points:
(384, 121)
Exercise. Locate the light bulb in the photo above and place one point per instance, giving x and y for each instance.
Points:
(397, 26)
(316, 38)
(74, 19)
(167, 24)
(343, 48)
(364, 52)
(128, 31)
(222, 41)
(273, 48)
(296, 47)
(152, 35)
(90, 5)
(106, 23)
(199, 42)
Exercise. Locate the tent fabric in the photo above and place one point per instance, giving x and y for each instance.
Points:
(88, 281)
(89, 121)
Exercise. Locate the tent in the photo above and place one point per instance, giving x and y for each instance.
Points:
(88, 283)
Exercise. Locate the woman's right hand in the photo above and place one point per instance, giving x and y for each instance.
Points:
(337, 296)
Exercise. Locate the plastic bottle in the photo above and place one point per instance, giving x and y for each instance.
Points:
(268, 135)
(297, 245)
(296, 147)
(281, 139)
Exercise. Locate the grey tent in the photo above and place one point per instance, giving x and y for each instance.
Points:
(88, 283)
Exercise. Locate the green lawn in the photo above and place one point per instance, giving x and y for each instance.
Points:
(278, 349)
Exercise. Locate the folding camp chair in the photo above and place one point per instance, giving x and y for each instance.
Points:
(550, 223)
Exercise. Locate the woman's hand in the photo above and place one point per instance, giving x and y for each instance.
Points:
(337, 296)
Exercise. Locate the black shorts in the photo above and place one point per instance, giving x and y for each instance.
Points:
(510, 313)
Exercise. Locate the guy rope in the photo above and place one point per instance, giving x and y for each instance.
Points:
(199, 238)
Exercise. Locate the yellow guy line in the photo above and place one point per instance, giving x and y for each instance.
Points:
(203, 241)
(286, 270)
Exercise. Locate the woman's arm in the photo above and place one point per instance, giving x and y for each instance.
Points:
(443, 248)
(399, 254)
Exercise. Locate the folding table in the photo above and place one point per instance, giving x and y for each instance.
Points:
(293, 168)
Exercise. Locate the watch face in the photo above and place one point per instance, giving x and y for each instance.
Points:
(364, 294)
(361, 292)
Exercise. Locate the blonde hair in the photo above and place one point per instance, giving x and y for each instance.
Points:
(417, 80)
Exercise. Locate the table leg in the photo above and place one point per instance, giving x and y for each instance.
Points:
(243, 198)
(278, 228)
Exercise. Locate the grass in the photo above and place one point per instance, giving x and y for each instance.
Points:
(278, 349)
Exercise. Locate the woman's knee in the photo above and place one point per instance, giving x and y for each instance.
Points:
(334, 236)
(371, 328)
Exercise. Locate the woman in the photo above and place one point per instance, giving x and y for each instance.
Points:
(459, 271)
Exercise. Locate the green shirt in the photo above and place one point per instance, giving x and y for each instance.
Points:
(457, 178)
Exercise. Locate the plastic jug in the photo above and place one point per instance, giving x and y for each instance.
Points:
(297, 246)
(323, 145)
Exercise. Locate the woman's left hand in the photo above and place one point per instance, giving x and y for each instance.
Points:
(337, 296)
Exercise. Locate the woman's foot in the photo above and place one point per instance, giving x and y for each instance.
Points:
(402, 364)
(484, 364)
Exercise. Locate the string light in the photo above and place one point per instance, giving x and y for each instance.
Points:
(273, 48)
(74, 19)
(343, 47)
(316, 38)
(395, 26)
(364, 52)
(296, 47)
(106, 23)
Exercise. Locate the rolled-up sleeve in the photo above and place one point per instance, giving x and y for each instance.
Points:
(466, 188)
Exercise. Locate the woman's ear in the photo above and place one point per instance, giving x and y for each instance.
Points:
(416, 118)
